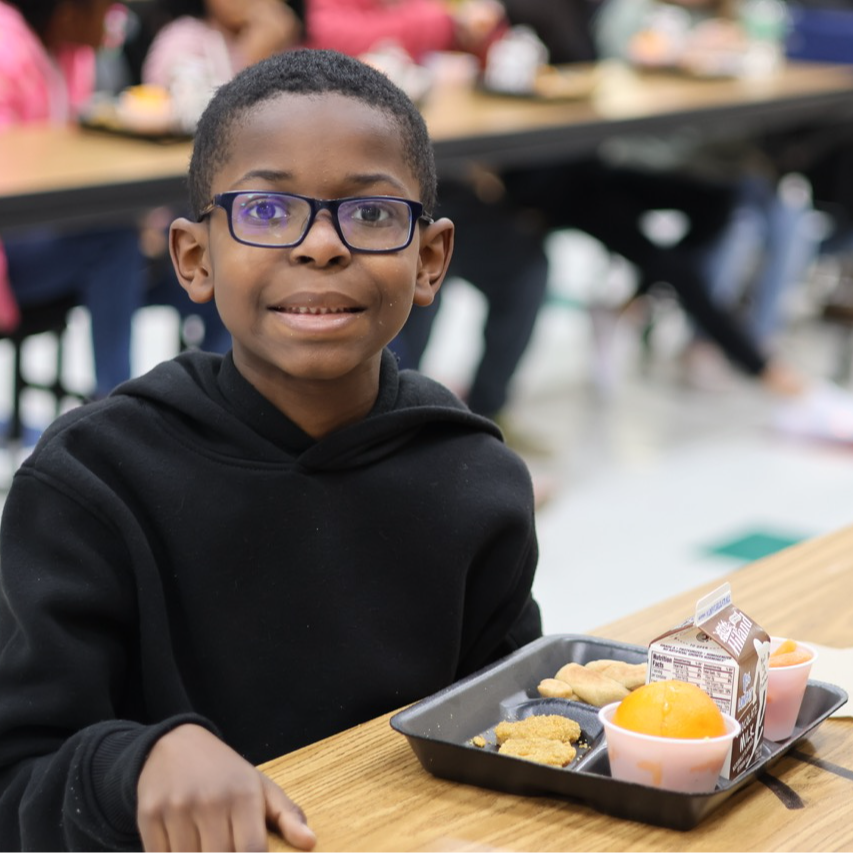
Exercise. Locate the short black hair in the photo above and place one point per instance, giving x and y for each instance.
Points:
(306, 72)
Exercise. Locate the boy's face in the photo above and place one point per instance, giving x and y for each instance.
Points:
(317, 311)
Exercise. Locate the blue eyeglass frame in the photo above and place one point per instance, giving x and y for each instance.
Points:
(226, 202)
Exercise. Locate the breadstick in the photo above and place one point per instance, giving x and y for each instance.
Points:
(630, 675)
(590, 686)
(553, 688)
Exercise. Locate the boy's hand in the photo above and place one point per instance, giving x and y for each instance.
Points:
(196, 793)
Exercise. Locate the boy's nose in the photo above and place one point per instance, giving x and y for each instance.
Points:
(322, 243)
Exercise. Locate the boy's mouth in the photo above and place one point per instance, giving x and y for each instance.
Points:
(314, 310)
(309, 304)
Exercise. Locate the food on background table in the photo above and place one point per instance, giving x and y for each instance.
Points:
(145, 108)
(789, 653)
(673, 709)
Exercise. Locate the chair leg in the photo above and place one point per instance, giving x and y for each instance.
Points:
(58, 389)
(16, 428)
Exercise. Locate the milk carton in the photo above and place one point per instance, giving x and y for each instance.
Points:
(724, 652)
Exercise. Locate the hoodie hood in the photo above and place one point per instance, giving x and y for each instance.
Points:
(206, 394)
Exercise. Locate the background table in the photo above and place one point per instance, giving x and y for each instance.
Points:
(364, 789)
(70, 176)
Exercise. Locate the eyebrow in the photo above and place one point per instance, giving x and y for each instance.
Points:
(275, 176)
(376, 178)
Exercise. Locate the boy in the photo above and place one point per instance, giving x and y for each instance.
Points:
(232, 557)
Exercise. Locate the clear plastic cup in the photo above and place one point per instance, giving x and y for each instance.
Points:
(786, 686)
(689, 765)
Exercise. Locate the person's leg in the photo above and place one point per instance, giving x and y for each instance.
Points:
(514, 300)
(607, 204)
(791, 245)
(738, 247)
(105, 268)
(500, 252)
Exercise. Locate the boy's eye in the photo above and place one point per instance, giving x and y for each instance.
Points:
(264, 210)
(371, 213)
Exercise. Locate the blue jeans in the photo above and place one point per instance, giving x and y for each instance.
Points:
(104, 268)
(775, 229)
(164, 289)
(501, 254)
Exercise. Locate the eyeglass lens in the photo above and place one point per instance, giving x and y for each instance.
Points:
(377, 224)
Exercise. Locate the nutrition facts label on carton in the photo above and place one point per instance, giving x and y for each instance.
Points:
(717, 679)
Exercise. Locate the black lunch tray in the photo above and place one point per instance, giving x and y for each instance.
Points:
(440, 728)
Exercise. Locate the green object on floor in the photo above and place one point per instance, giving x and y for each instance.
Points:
(754, 545)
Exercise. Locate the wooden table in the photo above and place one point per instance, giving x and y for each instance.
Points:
(364, 789)
(65, 175)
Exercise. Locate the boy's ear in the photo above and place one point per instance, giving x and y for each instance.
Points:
(188, 248)
(436, 247)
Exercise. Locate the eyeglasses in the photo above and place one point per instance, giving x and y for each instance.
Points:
(281, 220)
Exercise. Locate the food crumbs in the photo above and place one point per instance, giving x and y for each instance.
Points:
(479, 740)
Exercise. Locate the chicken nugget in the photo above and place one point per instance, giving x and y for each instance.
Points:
(590, 686)
(553, 726)
(539, 749)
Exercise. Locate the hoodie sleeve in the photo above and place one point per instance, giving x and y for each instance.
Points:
(69, 766)
(501, 614)
(356, 26)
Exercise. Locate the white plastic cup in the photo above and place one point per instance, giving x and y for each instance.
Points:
(786, 686)
(689, 765)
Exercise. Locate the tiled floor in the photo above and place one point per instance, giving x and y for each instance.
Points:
(648, 480)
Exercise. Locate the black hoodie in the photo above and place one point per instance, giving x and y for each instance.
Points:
(181, 551)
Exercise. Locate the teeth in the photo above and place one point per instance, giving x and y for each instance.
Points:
(310, 310)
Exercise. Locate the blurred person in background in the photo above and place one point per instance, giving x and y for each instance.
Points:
(609, 196)
(420, 27)
(47, 75)
(206, 42)
(198, 46)
(769, 238)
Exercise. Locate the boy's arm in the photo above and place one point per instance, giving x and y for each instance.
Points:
(69, 766)
(73, 774)
(501, 614)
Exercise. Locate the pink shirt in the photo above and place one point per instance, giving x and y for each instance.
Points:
(36, 87)
(186, 42)
(356, 26)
